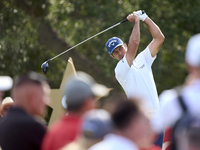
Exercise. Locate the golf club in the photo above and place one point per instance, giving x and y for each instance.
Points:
(45, 65)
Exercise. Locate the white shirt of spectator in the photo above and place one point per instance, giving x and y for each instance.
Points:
(114, 142)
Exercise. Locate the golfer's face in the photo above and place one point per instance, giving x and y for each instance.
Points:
(119, 53)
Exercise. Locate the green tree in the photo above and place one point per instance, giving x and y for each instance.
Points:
(32, 31)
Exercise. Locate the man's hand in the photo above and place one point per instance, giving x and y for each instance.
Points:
(132, 17)
(141, 14)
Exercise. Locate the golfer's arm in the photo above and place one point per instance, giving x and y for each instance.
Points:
(158, 37)
(133, 42)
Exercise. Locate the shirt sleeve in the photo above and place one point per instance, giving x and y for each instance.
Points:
(146, 54)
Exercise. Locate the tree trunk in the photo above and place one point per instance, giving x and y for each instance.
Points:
(48, 37)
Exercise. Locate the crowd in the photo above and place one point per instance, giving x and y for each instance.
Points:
(136, 120)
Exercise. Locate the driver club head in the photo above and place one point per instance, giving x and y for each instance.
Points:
(45, 67)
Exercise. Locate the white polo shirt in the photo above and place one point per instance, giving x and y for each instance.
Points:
(137, 80)
(114, 142)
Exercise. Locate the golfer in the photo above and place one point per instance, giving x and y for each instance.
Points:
(134, 73)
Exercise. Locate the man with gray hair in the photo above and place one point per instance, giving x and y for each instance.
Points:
(186, 99)
(80, 93)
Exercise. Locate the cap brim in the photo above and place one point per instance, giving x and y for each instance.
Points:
(63, 101)
(100, 90)
(116, 47)
(6, 83)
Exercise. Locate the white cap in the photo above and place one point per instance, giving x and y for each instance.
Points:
(192, 54)
(6, 83)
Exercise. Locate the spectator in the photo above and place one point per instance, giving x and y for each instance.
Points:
(7, 103)
(96, 124)
(187, 133)
(131, 128)
(174, 102)
(80, 96)
(20, 129)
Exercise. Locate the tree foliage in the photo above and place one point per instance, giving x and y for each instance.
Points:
(32, 31)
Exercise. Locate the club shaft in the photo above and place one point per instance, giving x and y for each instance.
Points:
(88, 39)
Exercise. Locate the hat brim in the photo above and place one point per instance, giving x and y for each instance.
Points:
(63, 101)
(100, 90)
(116, 47)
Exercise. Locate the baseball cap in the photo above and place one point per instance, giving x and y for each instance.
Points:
(83, 86)
(6, 83)
(192, 54)
(96, 124)
(113, 43)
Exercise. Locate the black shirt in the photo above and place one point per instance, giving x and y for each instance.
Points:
(20, 131)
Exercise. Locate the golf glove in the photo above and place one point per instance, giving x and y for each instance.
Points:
(141, 14)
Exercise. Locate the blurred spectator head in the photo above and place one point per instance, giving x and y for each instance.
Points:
(130, 121)
(31, 93)
(81, 91)
(96, 124)
(192, 55)
(187, 133)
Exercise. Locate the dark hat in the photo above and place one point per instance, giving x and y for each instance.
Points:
(113, 43)
(96, 124)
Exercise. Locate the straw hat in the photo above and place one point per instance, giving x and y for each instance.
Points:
(6, 102)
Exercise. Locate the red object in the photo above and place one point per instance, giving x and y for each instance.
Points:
(167, 139)
(62, 132)
(153, 147)
(166, 142)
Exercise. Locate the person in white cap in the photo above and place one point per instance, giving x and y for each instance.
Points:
(172, 107)
(7, 103)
